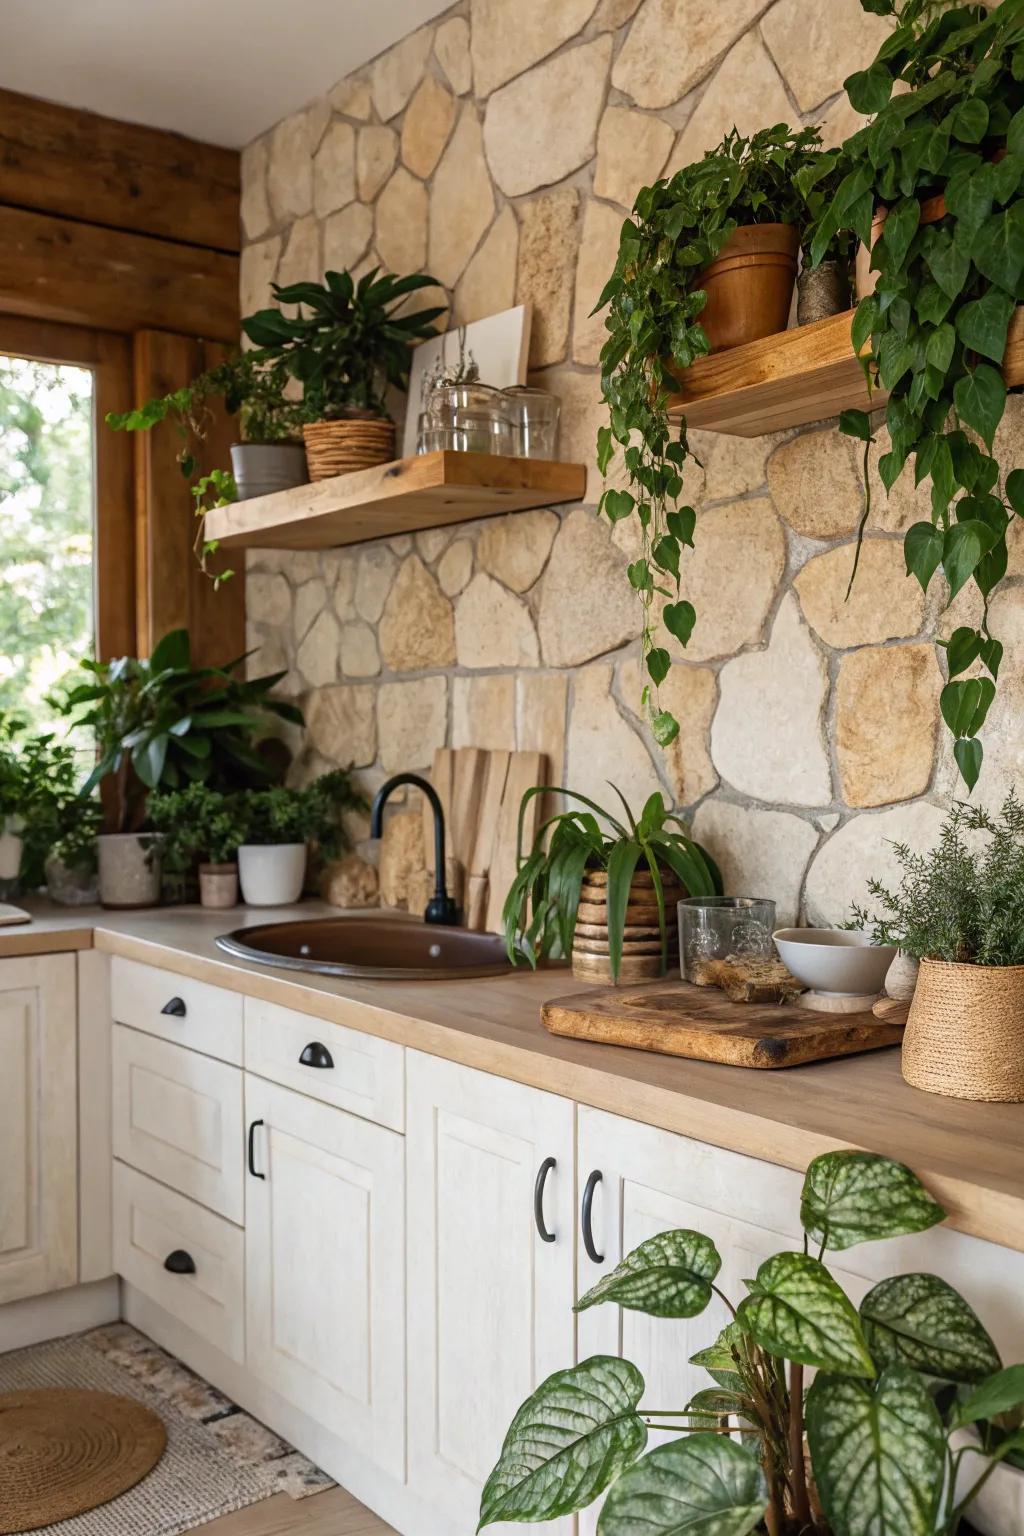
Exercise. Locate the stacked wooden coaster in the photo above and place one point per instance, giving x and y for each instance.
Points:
(641, 945)
(336, 447)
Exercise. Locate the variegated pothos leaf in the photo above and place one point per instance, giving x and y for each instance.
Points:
(859, 1197)
(667, 1276)
(796, 1309)
(921, 1322)
(703, 1485)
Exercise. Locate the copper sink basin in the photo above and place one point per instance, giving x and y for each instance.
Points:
(373, 947)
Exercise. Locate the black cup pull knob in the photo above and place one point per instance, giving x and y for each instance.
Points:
(316, 1055)
(180, 1263)
(538, 1199)
(586, 1217)
(175, 1009)
(252, 1142)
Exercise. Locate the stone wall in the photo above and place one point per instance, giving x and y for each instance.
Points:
(499, 148)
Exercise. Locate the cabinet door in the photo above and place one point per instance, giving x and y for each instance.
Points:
(490, 1303)
(38, 1126)
(324, 1267)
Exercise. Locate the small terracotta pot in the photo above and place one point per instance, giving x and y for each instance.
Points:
(932, 210)
(965, 1033)
(218, 885)
(750, 285)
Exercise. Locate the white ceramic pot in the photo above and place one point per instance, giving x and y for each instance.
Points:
(129, 869)
(218, 885)
(272, 875)
(11, 843)
(998, 1509)
(70, 887)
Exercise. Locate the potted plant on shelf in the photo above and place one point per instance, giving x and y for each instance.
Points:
(959, 910)
(708, 260)
(865, 1450)
(579, 890)
(280, 824)
(346, 344)
(161, 723)
(933, 187)
(201, 825)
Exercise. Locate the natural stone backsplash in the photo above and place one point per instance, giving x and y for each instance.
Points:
(501, 147)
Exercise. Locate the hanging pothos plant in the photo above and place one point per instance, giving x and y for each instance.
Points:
(677, 228)
(945, 158)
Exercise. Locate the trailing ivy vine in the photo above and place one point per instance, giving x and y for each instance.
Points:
(678, 226)
(934, 331)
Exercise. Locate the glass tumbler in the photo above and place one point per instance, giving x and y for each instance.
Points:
(712, 927)
(534, 417)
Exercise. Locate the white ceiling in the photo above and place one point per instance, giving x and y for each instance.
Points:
(219, 70)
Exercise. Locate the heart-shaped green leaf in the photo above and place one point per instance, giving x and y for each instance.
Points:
(963, 547)
(980, 398)
(1015, 489)
(922, 550)
(667, 1276)
(797, 1310)
(966, 703)
(679, 619)
(860, 1197)
(1000, 1393)
(567, 1442)
(921, 1322)
(982, 324)
(703, 1485)
(719, 1358)
(878, 1453)
(968, 754)
(997, 249)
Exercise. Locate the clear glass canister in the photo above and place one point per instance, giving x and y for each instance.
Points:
(713, 927)
(533, 414)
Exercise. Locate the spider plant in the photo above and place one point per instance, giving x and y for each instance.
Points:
(539, 915)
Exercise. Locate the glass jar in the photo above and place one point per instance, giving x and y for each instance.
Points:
(533, 414)
(713, 927)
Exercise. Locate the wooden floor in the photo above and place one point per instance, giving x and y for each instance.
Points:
(334, 1513)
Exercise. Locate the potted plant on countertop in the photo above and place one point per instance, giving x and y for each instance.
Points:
(281, 823)
(346, 344)
(866, 1450)
(579, 892)
(959, 910)
(201, 825)
(707, 260)
(161, 723)
(38, 776)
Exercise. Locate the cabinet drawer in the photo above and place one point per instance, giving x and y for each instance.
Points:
(358, 1072)
(178, 1116)
(150, 1224)
(187, 1012)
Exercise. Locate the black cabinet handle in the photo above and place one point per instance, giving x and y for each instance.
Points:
(252, 1138)
(586, 1217)
(180, 1263)
(538, 1199)
(316, 1055)
(175, 1009)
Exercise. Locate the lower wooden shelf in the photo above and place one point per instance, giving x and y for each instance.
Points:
(406, 496)
(805, 374)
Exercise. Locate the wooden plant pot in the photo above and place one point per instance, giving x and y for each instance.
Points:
(356, 442)
(965, 1033)
(750, 285)
(641, 946)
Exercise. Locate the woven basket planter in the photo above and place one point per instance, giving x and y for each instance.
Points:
(641, 945)
(965, 1033)
(336, 447)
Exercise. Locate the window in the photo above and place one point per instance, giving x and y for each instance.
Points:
(47, 520)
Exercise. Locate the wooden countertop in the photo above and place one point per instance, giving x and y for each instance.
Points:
(970, 1155)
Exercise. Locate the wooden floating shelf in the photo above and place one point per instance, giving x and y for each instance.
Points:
(431, 490)
(805, 374)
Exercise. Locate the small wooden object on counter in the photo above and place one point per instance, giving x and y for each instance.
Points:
(677, 1018)
(477, 877)
(641, 942)
(894, 1010)
(748, 979)
(525, 769)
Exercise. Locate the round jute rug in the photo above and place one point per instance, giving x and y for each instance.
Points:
(64, 1451)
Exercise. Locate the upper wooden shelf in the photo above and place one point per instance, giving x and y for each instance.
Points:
(805, 374)
(406, 496)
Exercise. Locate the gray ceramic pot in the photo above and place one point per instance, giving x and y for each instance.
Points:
(129, 869)
(260, 469)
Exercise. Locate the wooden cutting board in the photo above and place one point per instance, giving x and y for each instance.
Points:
(679, 1019)
(525, 769)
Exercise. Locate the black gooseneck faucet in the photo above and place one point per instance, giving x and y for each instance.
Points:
(441, 908)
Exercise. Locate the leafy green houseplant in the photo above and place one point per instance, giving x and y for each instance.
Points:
(959, 909)
(865, 1451)
(944, 159)
(204, 826)
(39, 779)
(677, 229)
(281, 823)
(540, 911)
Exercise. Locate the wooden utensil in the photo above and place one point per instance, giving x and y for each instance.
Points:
(679, 1019)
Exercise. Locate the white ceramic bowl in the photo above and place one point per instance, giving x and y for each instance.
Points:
(838, 961)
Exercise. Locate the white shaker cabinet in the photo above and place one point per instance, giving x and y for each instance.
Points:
(325, 1282)
(38, 1126)
(490, 1301)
